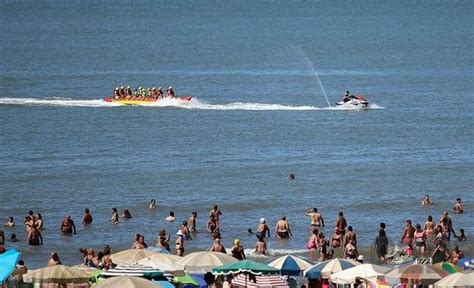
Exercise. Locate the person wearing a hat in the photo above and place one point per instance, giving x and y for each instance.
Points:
(262, 229)
(179, 243)
(237, 250)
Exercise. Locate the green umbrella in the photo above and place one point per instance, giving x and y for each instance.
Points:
(246, 266)
(186, 279)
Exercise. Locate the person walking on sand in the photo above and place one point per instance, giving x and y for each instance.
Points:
(282, 229)
(317, 219)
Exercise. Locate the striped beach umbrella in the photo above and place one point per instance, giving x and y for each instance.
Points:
(257, 281)
(136, 270)
(326, 268)
(290, 265)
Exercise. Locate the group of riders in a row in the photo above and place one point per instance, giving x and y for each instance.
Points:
(145, 94)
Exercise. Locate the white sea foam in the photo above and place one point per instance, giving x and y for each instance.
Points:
(194, 104)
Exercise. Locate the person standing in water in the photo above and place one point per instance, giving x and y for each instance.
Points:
(317, 219)
(179, 243)
(192, 222)
(282, 229)
(237, 250)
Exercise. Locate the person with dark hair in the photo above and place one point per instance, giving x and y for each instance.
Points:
(34, 237)
(341, 223)
(192, 221)
(408, 233)
(186, 232)
(115, 216)
(381, 245)
(461, 236)
(163, 240)
(87, 217)
(316, 218)
(261, 246)
(126, 214)
(67, 226)
(458, 206)
(282, 229)
(54, 260)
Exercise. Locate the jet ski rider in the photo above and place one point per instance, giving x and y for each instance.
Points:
(348, 96)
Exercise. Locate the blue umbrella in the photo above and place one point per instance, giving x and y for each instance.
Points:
(326, 268)
(290, 265)
(466, 263)
(8, 261)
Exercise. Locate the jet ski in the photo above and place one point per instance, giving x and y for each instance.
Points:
(354, 102)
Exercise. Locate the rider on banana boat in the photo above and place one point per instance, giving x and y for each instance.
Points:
(170, 92)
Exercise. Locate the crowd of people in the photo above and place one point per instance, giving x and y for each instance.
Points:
(142, 94)
(431, 237)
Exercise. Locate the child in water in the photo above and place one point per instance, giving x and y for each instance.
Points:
(461, 236)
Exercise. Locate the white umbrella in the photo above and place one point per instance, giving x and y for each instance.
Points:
(130, 256)
(56, 274)
(126, 281)
(350, 275)
(457, 280)
(204, 261)
(164, 262)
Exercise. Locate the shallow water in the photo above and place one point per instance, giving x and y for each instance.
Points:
(257, 115)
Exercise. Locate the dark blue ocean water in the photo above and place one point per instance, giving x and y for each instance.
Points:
(258, 114)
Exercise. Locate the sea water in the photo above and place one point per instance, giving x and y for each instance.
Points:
(258, 113)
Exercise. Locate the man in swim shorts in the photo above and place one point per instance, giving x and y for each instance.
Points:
(87, 218)
(316, 218)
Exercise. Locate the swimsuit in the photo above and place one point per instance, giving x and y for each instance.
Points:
(283, 234)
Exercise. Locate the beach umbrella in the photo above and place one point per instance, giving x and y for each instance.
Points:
(418, 274)
(8, 261)
(457, 280)
(164, 262)
(261, 281)
(204, 261)
(136, 270)
(326, 268)
(56, 274)
(467, 263)
(247, 266)
(290, 265)
(130, 256)
(448, 267)
(350, 275)
(126, 281)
